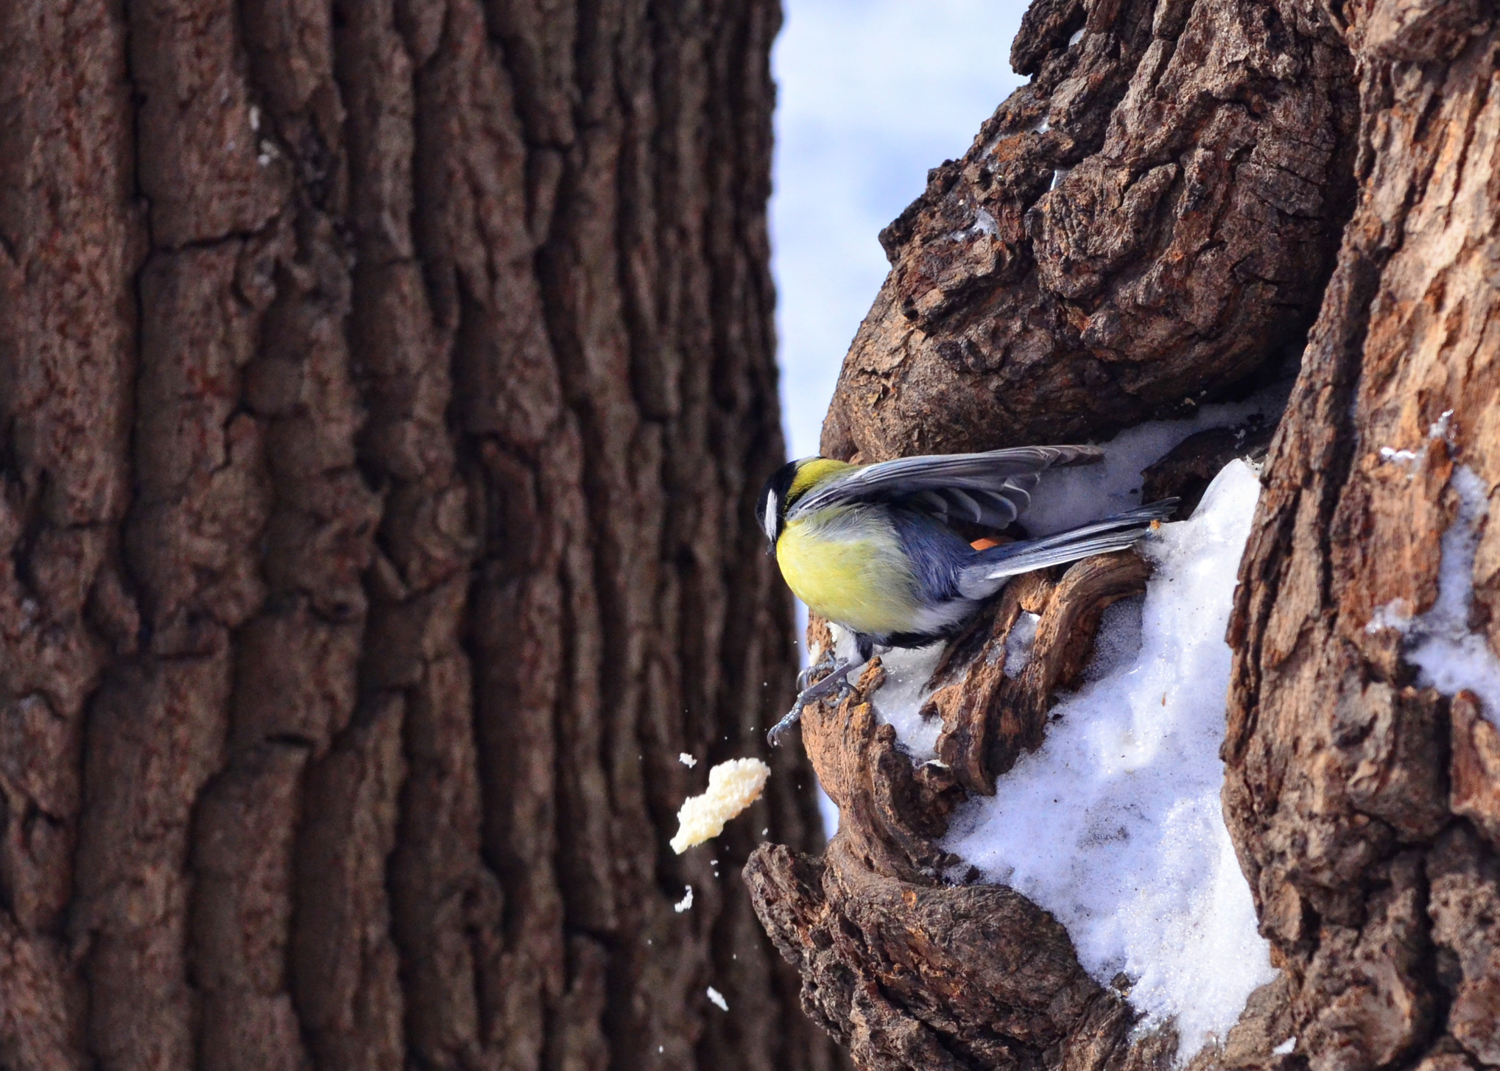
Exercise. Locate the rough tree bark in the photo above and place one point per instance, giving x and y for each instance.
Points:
(1365, 805)
(1173, 222)
(384, 388)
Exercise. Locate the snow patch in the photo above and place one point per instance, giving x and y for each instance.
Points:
(1448, 655)
(1068, 497)
(1114, 824)
(1019, 642)
(1118, 640)
(899, 701)
(1412, 460)
(984, 223)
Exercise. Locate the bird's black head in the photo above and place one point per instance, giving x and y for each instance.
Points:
(770, 511)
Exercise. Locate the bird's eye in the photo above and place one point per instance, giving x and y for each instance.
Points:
(770, 517)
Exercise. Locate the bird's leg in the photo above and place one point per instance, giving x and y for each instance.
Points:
(865, 645)
(825, 663)
(837, 678)
(810, 695)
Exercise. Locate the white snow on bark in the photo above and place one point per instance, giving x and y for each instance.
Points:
(1449, 655)
(1114, 824)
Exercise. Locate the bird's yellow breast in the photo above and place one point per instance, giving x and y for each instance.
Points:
(854, 574)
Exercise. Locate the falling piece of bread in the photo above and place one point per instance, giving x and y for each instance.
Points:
(732, 786)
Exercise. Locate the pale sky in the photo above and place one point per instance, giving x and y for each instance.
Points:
(870, 95)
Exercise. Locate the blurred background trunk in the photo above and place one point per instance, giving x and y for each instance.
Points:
(384, 390)
(1183, 190)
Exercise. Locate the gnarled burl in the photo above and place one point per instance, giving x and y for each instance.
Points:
(1139, 228)
(1136, 230)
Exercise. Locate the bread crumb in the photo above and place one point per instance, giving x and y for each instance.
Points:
(732, 786)
(717, 997)
(687, 760)
(686, 902)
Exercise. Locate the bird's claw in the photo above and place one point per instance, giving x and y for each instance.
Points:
(784, 726)
(835, 681)
(825, 665)
(805, 698)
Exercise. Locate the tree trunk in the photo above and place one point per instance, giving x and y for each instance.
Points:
(384, 391)
(1365, 802)
(1142, 227)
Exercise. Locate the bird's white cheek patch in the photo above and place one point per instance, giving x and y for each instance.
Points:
(771, 516)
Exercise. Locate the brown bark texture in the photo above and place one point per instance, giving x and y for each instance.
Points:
(1364, 804)
(384, 391)
(1185, 188)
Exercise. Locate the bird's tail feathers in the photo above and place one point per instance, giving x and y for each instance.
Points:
(984, 576)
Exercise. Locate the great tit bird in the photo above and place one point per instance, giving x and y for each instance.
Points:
(871, 547)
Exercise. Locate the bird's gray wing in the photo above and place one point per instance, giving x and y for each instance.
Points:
(992, 488)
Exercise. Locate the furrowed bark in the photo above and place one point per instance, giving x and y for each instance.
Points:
(384, 389)
(1362, 800)
(72, 243)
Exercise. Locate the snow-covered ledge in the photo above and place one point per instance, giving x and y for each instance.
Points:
(1114, 824)
(1096, 892)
